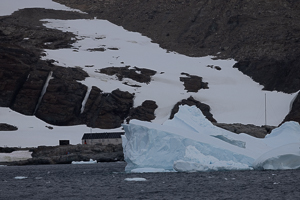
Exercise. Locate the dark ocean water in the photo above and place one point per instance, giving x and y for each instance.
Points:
(107, 181)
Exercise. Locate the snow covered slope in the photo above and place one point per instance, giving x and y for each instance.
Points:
(232, 96)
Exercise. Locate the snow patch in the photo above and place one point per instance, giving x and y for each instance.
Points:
(15, 156)
(91, 161)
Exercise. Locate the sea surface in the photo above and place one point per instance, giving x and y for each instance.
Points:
(107, 181)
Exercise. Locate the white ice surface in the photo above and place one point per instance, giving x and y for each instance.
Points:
(91, 161)
(15, 156)
(189, 143)
(135, 179)
(7, 7)
(20, 177)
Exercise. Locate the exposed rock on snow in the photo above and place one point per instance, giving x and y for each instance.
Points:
(145, 112)
(205, 109)
(138, 74)
(193, 83)
(107, 110)
(250, 129)
(7, 127)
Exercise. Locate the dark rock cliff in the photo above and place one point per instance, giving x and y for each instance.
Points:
(32, 86)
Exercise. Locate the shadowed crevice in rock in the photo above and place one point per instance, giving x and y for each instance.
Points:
(27, 98)
(205, 109)
(140, 75)
(145, 112)
(193, 83)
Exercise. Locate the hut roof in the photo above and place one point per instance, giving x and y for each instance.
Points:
(102, 135)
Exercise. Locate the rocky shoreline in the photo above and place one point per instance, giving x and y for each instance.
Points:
(65, 154)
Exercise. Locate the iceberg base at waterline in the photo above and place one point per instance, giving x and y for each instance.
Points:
(191, 143)
(283, 157)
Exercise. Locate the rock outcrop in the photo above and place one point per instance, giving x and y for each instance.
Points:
(32, 86)
(7, 127)
(193, 83)
(67, 154)
(250, 129)
(140, 75)
(107, 110)
(205, 109)
(144, 112)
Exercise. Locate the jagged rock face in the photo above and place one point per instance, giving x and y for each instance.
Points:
(205, 109)
(52, 93)
(13, 72)
(62, 102)
(145, 112)
(106, 110)
(27, 98)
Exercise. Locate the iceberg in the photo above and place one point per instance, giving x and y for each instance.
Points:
(283, 157)
(191, 143)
